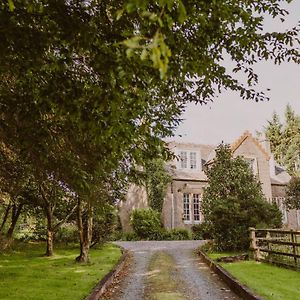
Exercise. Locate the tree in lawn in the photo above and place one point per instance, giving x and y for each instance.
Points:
(234, 201)
(293, 194)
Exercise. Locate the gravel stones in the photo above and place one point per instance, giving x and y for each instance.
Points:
(198, 281)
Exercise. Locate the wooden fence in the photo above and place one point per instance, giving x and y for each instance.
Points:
(277, 246)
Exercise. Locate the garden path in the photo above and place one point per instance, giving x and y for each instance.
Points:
(197, 279)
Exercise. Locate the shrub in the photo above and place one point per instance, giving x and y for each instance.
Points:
(177, 234)
(130, 236)
(201, 231)
(105, 223)
(67, 233)
(234, 201)
(146, 224)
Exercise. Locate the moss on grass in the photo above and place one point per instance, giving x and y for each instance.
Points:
(161, 283)
(26, 274)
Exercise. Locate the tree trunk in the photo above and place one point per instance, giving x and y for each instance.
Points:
(85, 227)
(5, 217)
(50, 231)
(49, 250)
(15, 214)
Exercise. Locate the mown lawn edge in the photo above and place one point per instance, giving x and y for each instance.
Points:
(240, 289)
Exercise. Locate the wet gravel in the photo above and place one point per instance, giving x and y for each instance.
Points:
(198, 281)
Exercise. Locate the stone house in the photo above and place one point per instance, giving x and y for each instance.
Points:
(181, 207)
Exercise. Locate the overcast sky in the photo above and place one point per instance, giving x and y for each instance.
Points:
(229, 116)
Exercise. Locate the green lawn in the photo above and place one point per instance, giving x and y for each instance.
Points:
(216, 255)
(270, 282)
(27, 274)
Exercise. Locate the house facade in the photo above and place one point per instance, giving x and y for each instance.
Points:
(182, 203)
(183, 200)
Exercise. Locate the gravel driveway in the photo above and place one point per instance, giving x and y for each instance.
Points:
(199, 282)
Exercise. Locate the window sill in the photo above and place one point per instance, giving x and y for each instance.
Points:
(187, 222)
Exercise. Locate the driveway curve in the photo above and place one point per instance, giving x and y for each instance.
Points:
(196, 278)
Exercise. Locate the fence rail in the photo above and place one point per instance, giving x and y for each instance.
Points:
(278, 246)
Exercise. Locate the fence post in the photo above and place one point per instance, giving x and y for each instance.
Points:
(253, 245)
(294, 240)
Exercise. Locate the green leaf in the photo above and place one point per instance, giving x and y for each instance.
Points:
(11, 5)
(182, 12)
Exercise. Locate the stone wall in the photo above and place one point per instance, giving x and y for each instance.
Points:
(175, 211)
(136, 198)
(249, 149)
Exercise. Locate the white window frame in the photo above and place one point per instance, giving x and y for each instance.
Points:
(252, 161)
(196, 208)
(190, 203)
(186, 208)
(189, 160)
(193, 160)
(183, 159)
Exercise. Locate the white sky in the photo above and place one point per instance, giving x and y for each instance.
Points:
(229, 116)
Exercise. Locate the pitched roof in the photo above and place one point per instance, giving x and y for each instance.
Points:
(186, 175)
(281, 176)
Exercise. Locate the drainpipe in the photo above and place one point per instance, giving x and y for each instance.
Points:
(172, 206)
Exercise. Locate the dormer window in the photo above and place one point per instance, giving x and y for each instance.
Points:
(189, 160)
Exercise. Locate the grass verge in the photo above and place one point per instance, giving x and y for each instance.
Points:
(270, 282)
(161, 283)
(26, 274)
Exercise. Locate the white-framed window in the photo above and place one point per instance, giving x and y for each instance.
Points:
(252, 162)
(279, 201)
(186, 207)
(191, 208)
(196, 208)
(189, 160)
(193, 160)
(183, 160)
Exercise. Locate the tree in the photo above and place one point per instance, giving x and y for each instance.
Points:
(274, 134)
(58, 204)
(293, 194)
(234, 201)
(285, 140)
(157, 180)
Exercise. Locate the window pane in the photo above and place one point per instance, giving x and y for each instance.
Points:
(193, 160)
(186, 207)
(183, 159)
(196, 207)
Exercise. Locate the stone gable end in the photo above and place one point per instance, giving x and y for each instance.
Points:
(250, 148)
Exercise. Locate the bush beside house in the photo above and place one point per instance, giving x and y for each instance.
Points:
(234, 201)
